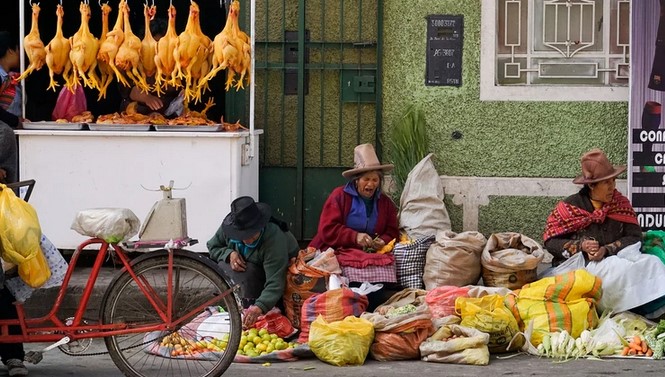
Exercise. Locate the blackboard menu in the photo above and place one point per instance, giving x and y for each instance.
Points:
(444, 50)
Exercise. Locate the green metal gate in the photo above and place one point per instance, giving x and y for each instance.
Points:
(318, 95)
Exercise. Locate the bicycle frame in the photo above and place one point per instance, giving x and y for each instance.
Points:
(34, 329)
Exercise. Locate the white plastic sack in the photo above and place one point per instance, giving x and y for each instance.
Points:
(56, 263)
(422, 211)
(110, 224)
(630, 279)
(573, 263)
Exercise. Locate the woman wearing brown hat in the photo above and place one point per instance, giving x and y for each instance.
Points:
(599, 222)
(253, 248)
(358, 217)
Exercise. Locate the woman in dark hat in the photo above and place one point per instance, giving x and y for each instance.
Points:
(600, 222)
(358, 218)
(253, 248)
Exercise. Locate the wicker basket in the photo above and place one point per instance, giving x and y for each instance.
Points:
(510, 280)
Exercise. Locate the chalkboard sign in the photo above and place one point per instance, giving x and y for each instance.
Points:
(444, 50)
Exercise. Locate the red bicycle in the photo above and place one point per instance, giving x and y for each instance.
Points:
(152, 297)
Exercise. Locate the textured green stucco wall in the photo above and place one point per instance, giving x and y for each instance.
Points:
(499, 139)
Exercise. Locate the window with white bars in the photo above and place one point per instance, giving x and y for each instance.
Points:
(540, 49)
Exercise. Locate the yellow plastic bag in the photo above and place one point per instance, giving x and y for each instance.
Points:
(20, 233)
(562, 302)
(340, 343)
(35, 271)
(489, 315)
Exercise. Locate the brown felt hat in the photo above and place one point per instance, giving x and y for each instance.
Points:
(364, 160)
(596, 167)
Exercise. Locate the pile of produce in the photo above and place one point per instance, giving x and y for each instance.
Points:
(180, 346)
(656, 340)
(254, 342)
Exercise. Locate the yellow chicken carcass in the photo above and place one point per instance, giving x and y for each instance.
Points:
(148, 44)
(57, 53)
(104, 69)
(83, 53)
(33, 45)
(128, 58)
(164, 60)
(189, 51)
(232, 51)
(108, 49)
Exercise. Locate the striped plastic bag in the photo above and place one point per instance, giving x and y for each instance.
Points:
(562, 302)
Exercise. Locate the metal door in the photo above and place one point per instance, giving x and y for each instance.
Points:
(318, 95)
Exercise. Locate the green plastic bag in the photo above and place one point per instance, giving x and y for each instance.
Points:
(340, 343)
(653, 243)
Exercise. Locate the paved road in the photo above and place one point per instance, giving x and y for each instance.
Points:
(57, 364)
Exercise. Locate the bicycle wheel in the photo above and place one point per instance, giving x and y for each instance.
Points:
(142, 354)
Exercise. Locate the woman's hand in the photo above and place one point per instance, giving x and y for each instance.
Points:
(250, 316)
(364, 240)
(236, 262)
(593, 249)
(378, 243)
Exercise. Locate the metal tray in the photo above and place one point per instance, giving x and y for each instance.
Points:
(52, 126)
(182, 128)
(118, 127)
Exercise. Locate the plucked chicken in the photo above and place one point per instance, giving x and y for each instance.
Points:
(108, 50)
(191, 55)
(83, 53)
(164, 60)
(148, 44)
(33, 45)
(104, 69)
(128, 58)
(232, 51)
(57, 53)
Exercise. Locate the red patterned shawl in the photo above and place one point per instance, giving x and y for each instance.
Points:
(567, 218)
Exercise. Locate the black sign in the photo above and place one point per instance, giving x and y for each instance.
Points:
(651, 220)
(444, 50)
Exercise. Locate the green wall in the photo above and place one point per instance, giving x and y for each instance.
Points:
(500, 139)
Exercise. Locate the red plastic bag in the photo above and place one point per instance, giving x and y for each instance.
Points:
(275, 323)
(441, 300)
(69, 104)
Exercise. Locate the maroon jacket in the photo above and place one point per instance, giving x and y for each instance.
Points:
(333, 231)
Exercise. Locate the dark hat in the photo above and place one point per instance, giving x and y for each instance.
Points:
(246, 218)
(364, 160)
(596, 167)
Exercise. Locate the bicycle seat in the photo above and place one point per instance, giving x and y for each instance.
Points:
(113, 225)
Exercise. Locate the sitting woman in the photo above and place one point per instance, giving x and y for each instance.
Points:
(358, 219)
(598, 226)
(254, 250)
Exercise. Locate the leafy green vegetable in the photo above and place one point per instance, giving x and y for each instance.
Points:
(409, 143)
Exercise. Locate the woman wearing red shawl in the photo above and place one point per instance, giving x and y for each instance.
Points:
(599, 222)
(358, 217)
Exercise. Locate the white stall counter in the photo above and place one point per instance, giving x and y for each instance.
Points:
(76, 170)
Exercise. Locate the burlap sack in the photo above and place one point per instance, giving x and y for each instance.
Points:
(454, 259)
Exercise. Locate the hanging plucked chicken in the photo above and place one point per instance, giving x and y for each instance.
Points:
(57, 53)
(164, 59)
(148, 44)
(108, 50)
(128, 58)
(104, 69)
(232, 51)
(33, 45)
(83, 53)
(191, 56)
